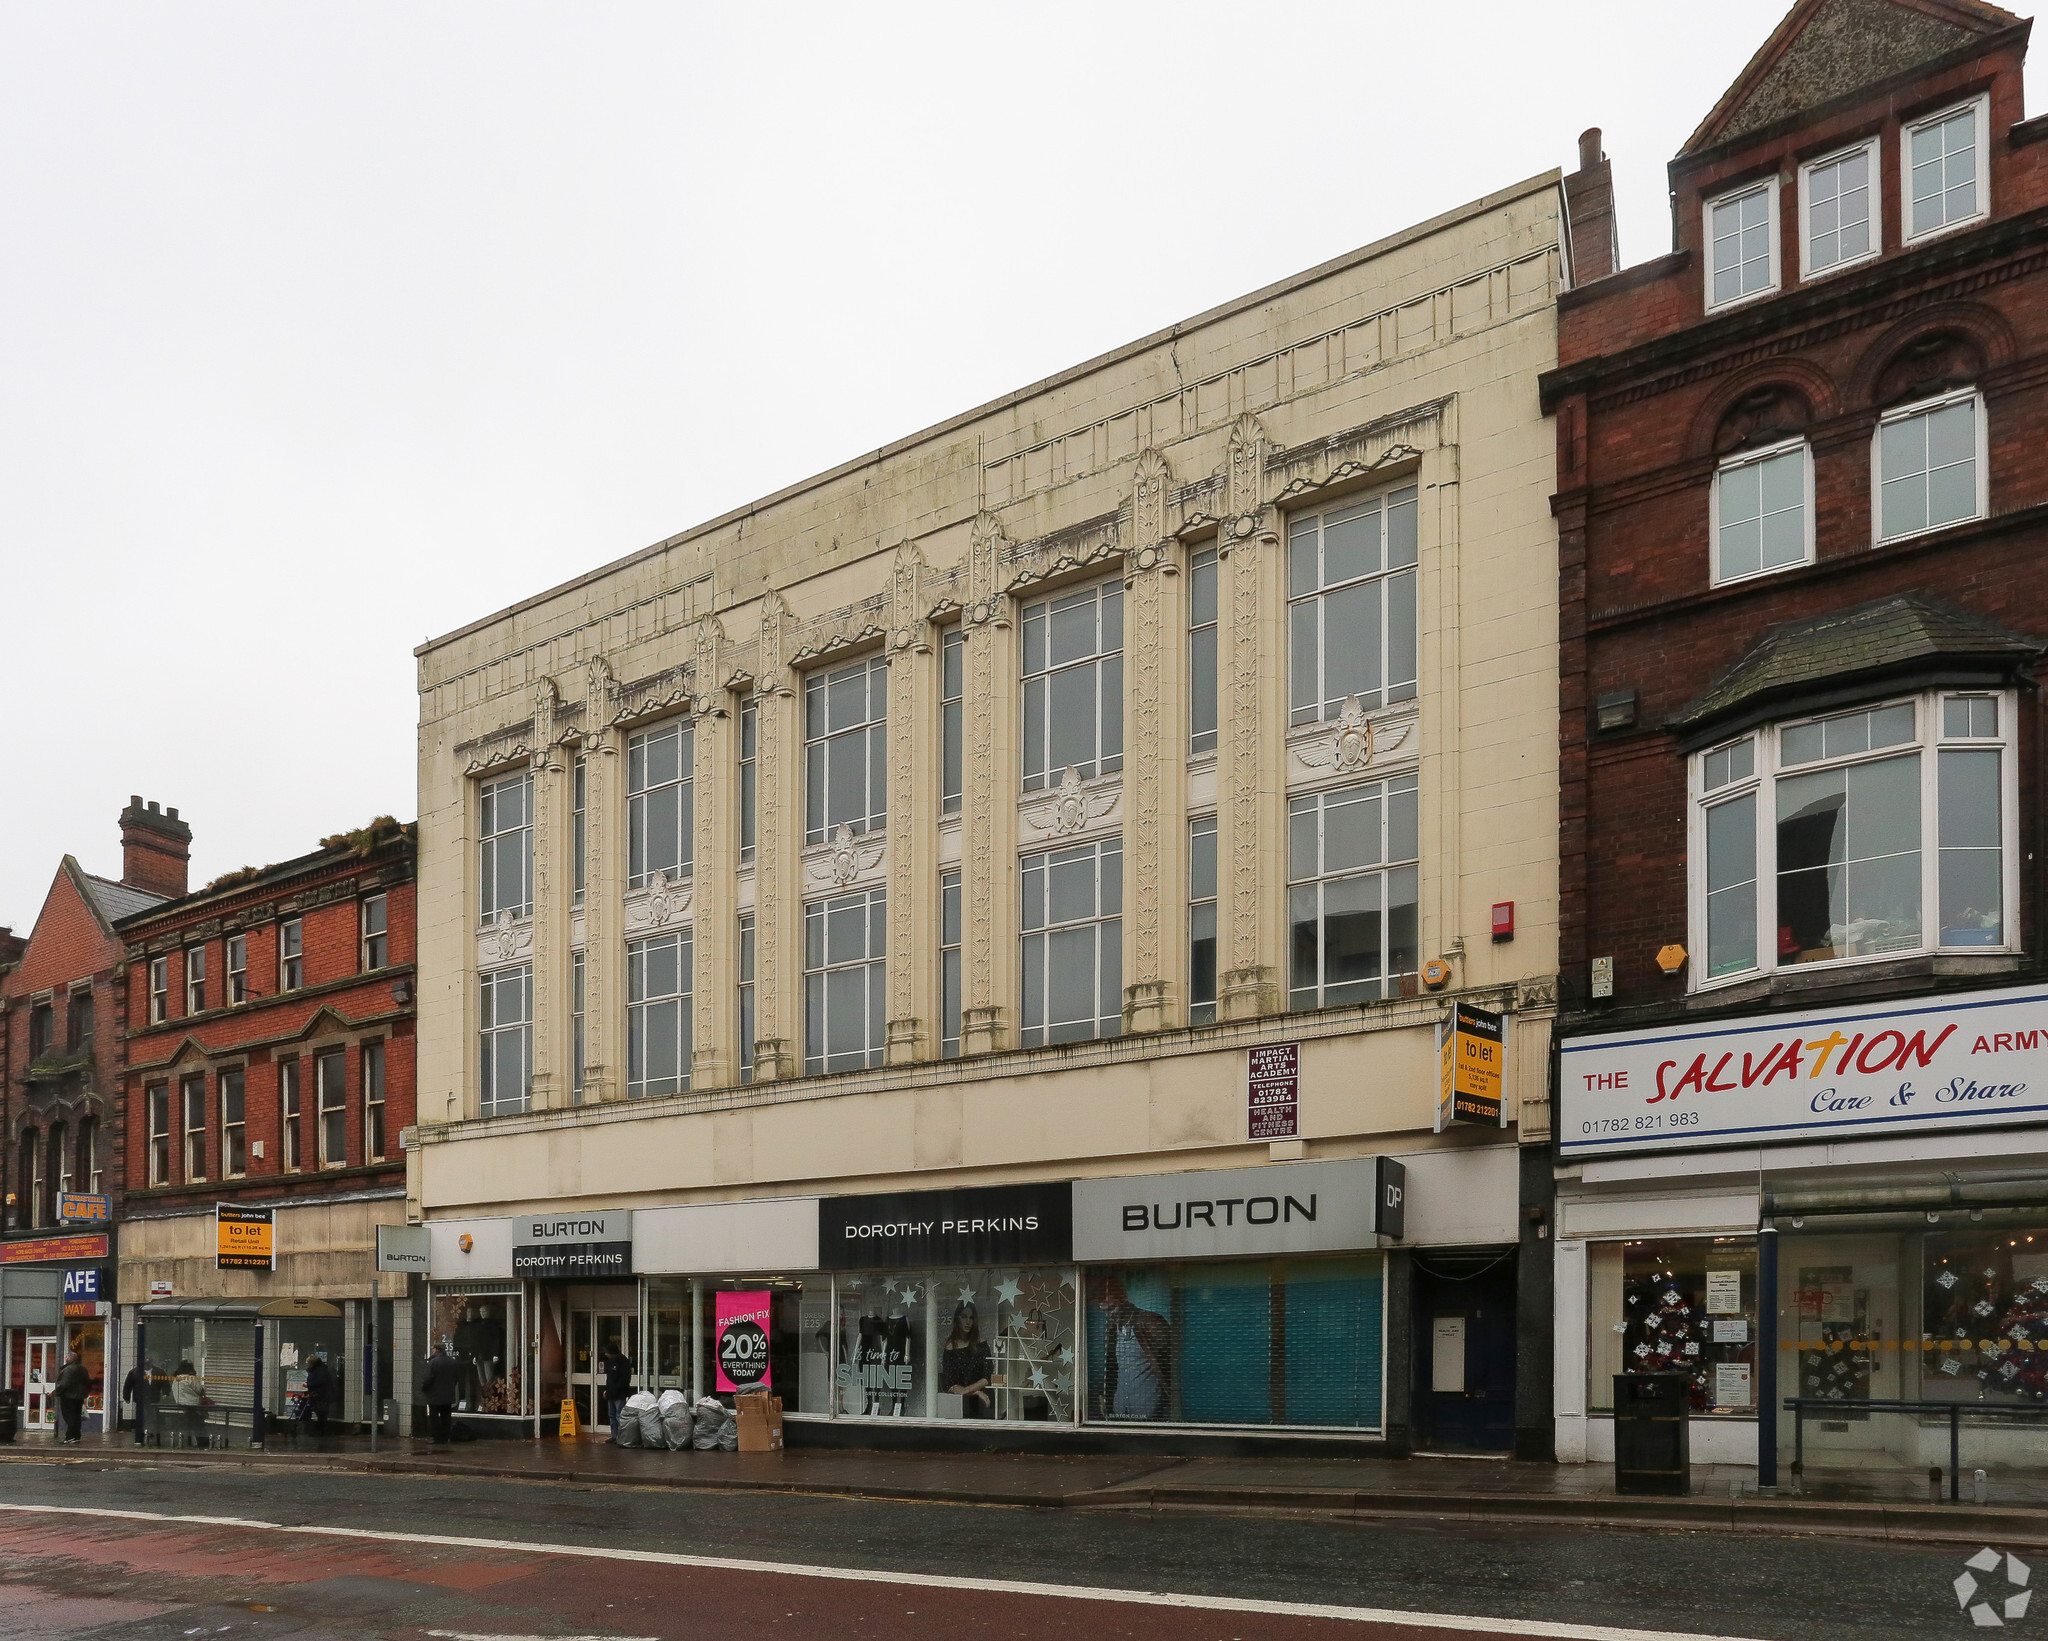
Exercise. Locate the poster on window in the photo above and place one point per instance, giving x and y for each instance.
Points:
(1972, 1061)
(741, 1338)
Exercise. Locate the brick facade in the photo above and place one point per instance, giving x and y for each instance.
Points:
(340, 1005)
(1652, 391)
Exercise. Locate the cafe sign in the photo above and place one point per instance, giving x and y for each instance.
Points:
(1971, 1061)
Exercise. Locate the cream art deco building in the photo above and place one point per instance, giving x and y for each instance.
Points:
(850, 928)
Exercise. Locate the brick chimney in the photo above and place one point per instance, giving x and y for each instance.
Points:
(155, 849)
(1589, 200)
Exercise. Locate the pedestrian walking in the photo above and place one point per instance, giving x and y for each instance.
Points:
(437, 1390)
(74, 1384)
(134, 1389)
(319, 1391)
(618, 1385)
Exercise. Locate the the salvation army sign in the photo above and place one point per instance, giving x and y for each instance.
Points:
(741, 1341)
(1969, 1061)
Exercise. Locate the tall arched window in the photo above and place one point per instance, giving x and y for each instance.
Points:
(29, 1182)
(58, 1174)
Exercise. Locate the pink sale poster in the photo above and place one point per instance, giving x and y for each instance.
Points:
(741, 1320)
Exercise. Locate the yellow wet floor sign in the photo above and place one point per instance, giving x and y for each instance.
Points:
(572, 1427)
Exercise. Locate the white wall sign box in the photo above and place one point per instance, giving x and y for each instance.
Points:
(1297, 1207)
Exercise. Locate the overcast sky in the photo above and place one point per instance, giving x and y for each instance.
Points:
(325, 328)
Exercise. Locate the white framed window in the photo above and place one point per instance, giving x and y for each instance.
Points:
(505, 1046)
(1202, 920)
(750, 733)
(238, 968)
(288, 1114)
(1762, 511)
(579, 830)
(658, 977)
(1742, 243)
(375, 917)
(504, 850)
(1202, 573)
(89, 1154)
(746, 999)
(234, 1127)
(1073, 943)
(949, 964)
(1351, 606)
(1353, 888)
(291, 954)
(373, 1102)
(330, 1085)
(1841, 221)
(660, 829)
(1880, 832)
(159, 990)
(844, 963)
(846, 733)
(193, 1090)
(1073, 675)
(577, 1052)
(1928, 467)
(195, 979)
(1945, 169)
(952, 718)
(159, 1098)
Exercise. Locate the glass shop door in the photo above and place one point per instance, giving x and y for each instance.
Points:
(593, 1336)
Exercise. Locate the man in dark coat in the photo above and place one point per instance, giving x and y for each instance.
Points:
(437, 1390)
(74, 1384)
(618, 1385)
(319, 1392)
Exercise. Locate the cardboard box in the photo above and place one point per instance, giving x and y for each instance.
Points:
(760, 1421)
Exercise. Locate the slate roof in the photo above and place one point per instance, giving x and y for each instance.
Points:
(1906, 633)
(118, 900)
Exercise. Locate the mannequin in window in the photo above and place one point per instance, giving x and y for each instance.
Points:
(964, 1369)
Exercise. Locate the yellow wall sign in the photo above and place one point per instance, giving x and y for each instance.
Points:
(244, 1239)
(1469, 1062)
(571, 1426)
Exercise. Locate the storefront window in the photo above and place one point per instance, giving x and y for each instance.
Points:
(1675, 1305)
(1985, 1310)
(991, 1343)
(482, 1332)
(1247, 1342)
(796, 1315)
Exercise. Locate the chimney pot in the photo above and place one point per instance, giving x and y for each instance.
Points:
(152, 806)
(135, 800)
(1589, 148)
(172, 812)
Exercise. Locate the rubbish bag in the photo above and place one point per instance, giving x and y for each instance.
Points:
(675, 1420)
(651, 1433)
(628, 1431)
(707, 1422)
(729, 1434)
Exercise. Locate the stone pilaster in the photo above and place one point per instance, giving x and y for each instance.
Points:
(1251, 774)
(778, 853)
(913, 860)
(1155, 762)
(553, 882)
(714, 1058)
(989, 802)
(604, 876)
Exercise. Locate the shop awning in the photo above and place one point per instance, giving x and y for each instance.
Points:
(223, 1308)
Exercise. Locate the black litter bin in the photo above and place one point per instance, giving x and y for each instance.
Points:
(10, 1414)
(1652, 1440)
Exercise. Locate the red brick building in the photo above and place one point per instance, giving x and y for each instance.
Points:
(269, 1020)
(1803, 515)
(62, 995)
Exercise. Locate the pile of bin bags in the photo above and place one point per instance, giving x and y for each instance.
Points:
(669, 1421)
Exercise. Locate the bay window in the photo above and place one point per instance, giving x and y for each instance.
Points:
(1879, 832)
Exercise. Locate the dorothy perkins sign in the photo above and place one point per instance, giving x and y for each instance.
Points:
(1969, 1061)
(580, 1247)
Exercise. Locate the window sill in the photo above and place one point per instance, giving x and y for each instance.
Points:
(1714, 310)
(1931, 531)
(1908, 242)
(1851, 977)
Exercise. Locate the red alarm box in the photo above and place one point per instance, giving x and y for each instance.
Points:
(1503, 920)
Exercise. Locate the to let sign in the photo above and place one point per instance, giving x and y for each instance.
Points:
(244, 1239)
(1273, 1100)
(1469, 1050)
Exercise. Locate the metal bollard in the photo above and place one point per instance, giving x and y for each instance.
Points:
(1934, 1484)
(1980, 1488)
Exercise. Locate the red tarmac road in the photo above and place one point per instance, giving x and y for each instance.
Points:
(136, 1576)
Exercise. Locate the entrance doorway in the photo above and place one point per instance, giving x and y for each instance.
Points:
(1464, 1362)
(593, 1336)
(39, 1399)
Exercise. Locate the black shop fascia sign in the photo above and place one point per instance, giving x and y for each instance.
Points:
(976, 1225)
(573, 1247)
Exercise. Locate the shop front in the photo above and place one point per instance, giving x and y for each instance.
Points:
(53, 1301)
(1832, 1209)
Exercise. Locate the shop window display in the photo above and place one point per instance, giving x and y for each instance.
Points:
(481, 1331)
(1678, 1305)
(993, 1343)
(1985, 1317)
(1244, 1342)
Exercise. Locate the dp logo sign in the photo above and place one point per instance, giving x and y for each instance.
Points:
(742, 1335)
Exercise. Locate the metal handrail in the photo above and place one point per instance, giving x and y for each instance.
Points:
(1801, 1405)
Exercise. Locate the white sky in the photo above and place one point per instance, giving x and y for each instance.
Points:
(326, 327)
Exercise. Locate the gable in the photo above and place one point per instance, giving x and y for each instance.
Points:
(1825, 49)
(69, 941)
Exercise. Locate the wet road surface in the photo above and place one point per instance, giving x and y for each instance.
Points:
(318, 1554)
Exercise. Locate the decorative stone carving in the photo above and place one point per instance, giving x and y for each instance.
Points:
(503, 941)
(846, 857)
(1092, 541)
(664, 902)
(1072, 807)
(502, 746)
(1355, 741)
